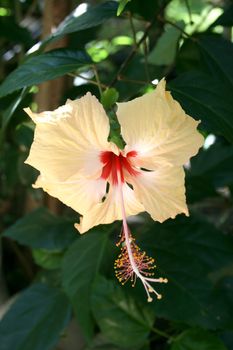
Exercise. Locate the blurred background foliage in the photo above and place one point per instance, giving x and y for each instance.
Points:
(57, 289)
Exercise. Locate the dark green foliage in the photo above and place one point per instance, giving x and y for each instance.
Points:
(195, 254)
(197, 339)
(189, 296)
(80, 267)
(35, 320)
(41, 229)
(121, 319)
(207, 93)
(47, 66)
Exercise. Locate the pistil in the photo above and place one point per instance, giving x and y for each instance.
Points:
(133, 263)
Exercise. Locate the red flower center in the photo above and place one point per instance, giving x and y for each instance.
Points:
(113, 164)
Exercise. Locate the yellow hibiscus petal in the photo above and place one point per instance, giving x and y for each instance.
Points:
(157, 128)
(110, 210)
(79, 194)
(162, 192)
(69, 140)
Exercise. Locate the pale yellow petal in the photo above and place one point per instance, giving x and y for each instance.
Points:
(162, 192)
(79, 194)
(157, 128)
(110, 209)
(69, 140)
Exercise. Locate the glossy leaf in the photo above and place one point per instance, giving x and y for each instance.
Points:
(41, 229)
(46, 66)
(214, 164)
(187, 251)
(210, 170)
(93, 17)
(207, 94)
(121, 319)
(36, 319)
(200, 339)
(81, 264)
(205, 98)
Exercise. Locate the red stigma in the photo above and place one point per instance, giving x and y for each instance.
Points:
(117, 163)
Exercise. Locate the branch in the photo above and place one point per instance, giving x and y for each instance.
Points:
(137, 45)
(166, 21)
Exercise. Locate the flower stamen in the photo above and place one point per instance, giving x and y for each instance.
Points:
(132, 262)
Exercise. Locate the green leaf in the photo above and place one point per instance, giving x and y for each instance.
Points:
(36, 320)
(50, 260)
(187, 252)
(212, 169)
(93, 17)
(8, 113)
(109, 98)
(80, 266)
(204, 98)
(208, 94)
(217, 53)
(41, 229)
(100, 343)
(215, 165)
(46, 66)
(164, 52)
(226, 19)
(200, 339)
(121, 6)
(121, 319)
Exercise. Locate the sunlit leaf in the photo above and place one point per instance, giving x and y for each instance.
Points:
(164, 52)
(121, 6)
(226, 19)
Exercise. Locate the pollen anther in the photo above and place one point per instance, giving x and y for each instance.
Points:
(142, 268)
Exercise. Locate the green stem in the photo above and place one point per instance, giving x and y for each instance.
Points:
(98, 80)
(162, 333)
(133, 30)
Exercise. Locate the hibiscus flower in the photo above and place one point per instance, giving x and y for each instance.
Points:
(83, 169)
